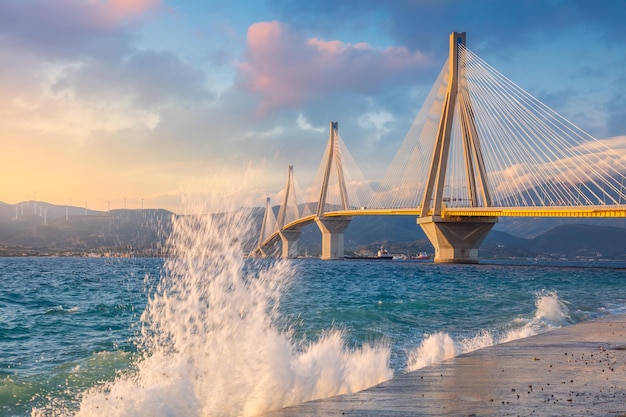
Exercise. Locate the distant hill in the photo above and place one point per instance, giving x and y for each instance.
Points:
(38, 228)
(583, 240)
(530, 227)
(571, 241)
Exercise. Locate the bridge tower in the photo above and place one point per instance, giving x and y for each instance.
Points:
(259, 248)
(290, 237)
(333, 228)
(456, 239)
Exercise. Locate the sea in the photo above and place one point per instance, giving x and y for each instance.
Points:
(210, 332)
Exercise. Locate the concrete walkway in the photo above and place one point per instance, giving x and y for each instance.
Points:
(577, 370)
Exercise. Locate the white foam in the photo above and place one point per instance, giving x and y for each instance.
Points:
(518, 333)
(61, 309)
(481, 340)
(550, 312)
(434, 348)
(209, 343)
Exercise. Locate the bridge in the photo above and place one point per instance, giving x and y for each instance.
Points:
(480, 148)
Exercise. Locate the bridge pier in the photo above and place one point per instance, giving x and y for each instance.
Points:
(332, 229)
(289, 240)
(456, 240)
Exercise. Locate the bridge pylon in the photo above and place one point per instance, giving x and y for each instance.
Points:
(333, 228)
(260, 251)
(456, 240)
(289, 238)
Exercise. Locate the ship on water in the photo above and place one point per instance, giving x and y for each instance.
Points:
(382, 254)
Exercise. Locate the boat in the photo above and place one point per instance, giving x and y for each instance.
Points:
(422, 256)
(382, 254)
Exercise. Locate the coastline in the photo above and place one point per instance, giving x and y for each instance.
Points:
(575, 370)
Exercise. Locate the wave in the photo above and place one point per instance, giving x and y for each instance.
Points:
(61, 309)
(551, 312)
(210, 342)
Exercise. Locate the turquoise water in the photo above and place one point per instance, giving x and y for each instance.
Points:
(209, 333)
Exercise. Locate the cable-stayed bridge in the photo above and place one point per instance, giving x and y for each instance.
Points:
(480, 148)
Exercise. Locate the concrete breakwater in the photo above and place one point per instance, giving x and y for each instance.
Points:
(576, 370)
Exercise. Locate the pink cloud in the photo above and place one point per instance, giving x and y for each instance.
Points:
(285, 68)
(116, 11)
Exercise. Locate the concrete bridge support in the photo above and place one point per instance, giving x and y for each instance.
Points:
(456, 240)
(289, 240)
(332, 229)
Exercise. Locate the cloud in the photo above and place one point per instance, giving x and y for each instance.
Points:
(76, 68)
(284, 68)
(304, 124)
(70, 29)
(503, 24)
(596, 167)
(148, 78)
(113, 12)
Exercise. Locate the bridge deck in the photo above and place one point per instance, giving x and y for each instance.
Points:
(460, 212)
(550, 211)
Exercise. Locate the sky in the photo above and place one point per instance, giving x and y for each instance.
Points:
(130, 103)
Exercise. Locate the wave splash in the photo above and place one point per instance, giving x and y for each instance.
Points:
(210, 345)
(551, 312)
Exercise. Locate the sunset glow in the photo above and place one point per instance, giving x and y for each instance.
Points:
(113, 103)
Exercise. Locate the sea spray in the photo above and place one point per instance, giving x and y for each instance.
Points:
(482, 340)
(210, 344)
(551, 312)
(435, 348)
